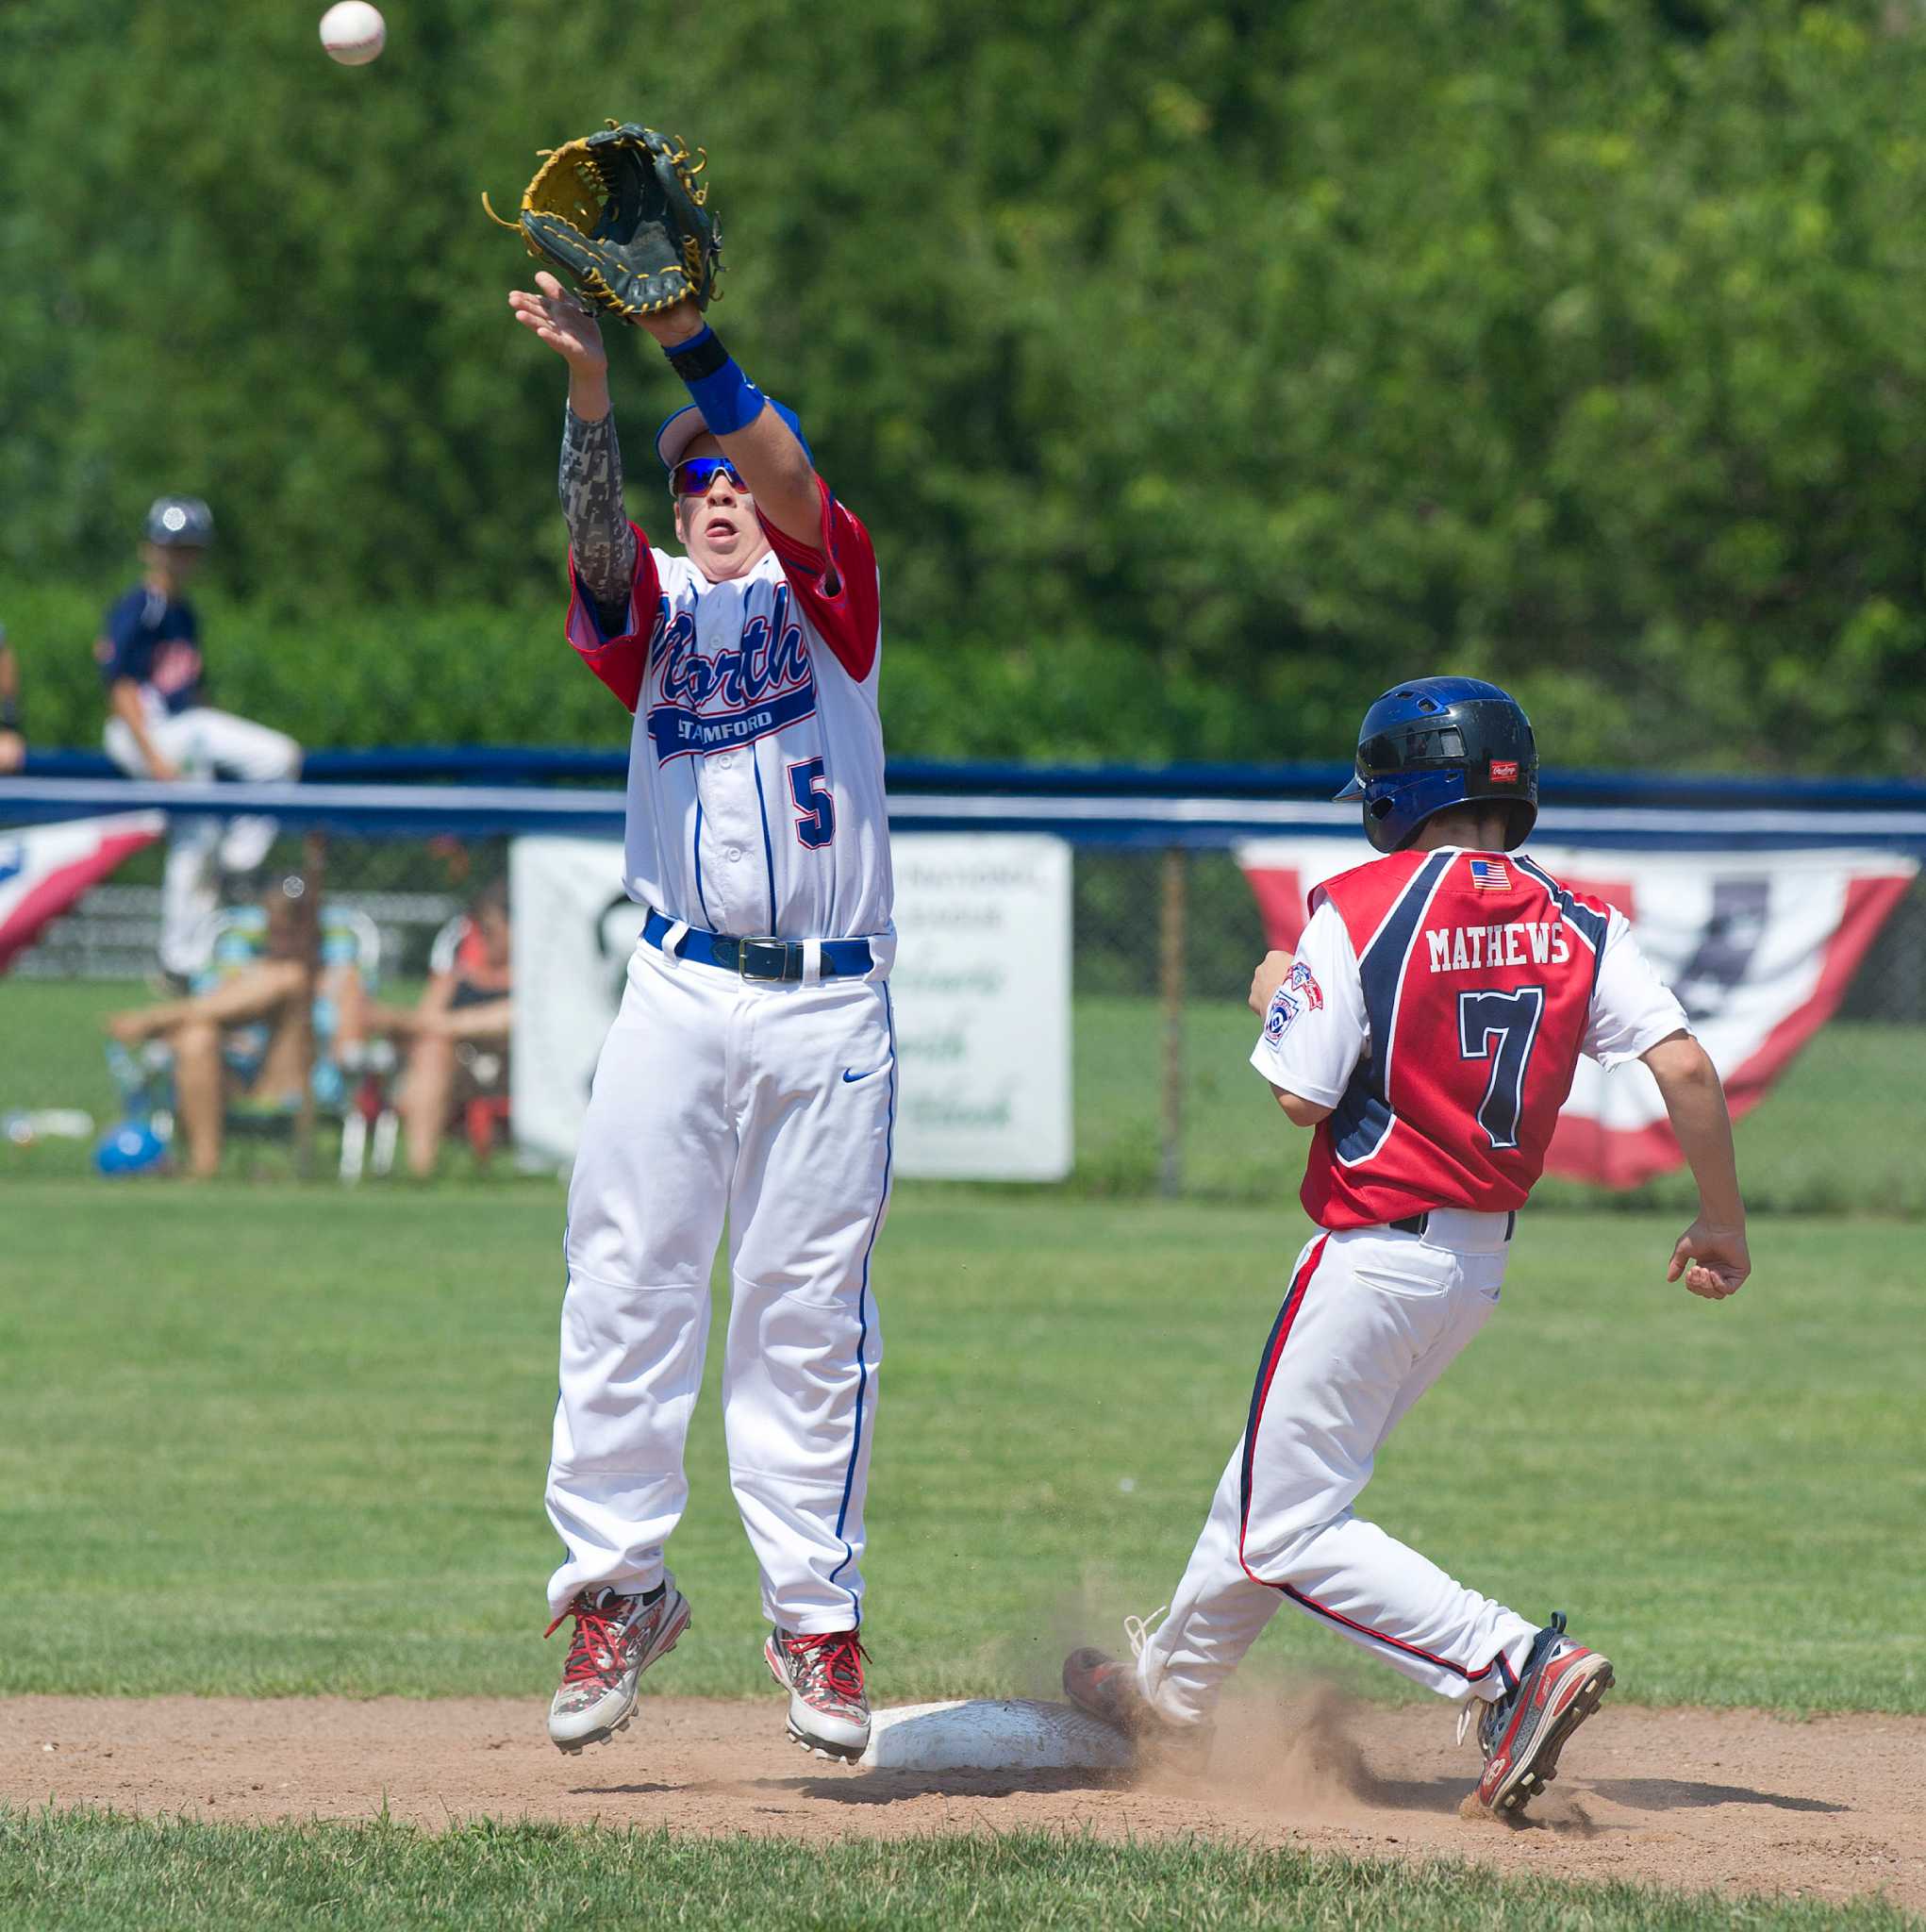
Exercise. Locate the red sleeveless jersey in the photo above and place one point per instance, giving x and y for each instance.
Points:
(1478, 972)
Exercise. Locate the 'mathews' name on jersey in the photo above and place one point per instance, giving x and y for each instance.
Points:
(756, 686)
(1479, 948)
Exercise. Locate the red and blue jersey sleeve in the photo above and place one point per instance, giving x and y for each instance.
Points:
(621, 661)
(836, 583)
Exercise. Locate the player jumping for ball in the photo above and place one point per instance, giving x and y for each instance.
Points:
(751, 1071)
(1428, 1029)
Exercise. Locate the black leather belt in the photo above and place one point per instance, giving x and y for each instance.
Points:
(770, 960)
(1417, 1224)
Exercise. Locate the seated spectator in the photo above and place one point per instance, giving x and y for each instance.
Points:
(13, 739)
(242, 1034)
(160, 725)
(457, 1039)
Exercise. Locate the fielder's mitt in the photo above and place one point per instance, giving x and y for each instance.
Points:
(621, 215)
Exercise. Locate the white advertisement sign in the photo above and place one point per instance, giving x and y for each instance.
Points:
(981, 995)
(574, 929)
(980, 991)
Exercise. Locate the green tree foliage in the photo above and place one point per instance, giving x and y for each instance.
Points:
(1200, 370)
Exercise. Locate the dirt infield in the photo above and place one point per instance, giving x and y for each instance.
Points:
(1735, 1801)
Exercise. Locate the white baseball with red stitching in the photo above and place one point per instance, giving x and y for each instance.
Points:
(353, 32)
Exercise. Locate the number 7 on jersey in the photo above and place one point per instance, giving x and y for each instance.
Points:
(1501, 1027)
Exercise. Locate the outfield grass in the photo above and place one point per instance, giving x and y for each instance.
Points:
(1837, 1135)
(291, 1440)
(104, 1873)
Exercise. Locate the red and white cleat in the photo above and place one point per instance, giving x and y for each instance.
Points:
(1523, 1733)
(829, 1709)
(617, 1639)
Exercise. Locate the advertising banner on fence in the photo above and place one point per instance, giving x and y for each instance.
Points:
(573, 930)
(1759, 947)
(43, 869)
(980, 991)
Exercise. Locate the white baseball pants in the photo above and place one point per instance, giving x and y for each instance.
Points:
(1372, 1319)
(774, 1104)
(205, 744)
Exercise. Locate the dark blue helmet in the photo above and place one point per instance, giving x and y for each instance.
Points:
(1440, 741)
(180, 523)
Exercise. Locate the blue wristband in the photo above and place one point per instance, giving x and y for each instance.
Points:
(727, 399)
(697, 351)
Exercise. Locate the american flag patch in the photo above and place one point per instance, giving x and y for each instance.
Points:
(1489, 876)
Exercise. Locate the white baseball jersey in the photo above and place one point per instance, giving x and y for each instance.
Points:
(755, 798)
(754, 809)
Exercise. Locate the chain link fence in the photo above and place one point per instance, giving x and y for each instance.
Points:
(1164, 946)
(1165, 1098)
(410, 889)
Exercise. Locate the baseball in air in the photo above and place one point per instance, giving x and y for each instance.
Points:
(353, 32)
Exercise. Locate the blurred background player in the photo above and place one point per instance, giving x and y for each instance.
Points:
(1428, 1028)
(159, 726)
(13, 738)
(751, 1071)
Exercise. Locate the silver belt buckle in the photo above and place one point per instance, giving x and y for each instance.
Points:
(745, 950)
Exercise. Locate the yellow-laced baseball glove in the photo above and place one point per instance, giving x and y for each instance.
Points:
(622, 215)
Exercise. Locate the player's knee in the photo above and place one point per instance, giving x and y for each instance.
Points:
(196, 1041)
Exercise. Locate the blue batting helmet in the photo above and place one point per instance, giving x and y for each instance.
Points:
(1440, 742)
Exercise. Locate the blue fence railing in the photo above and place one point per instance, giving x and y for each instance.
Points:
(974, 802)
(489, 765)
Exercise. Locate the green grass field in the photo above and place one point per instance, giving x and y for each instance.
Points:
(87, 1872)
(1834, 1137)
(264, 1437)
(290, 1419)
(1836, 1134)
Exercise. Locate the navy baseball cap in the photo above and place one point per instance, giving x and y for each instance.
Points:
(682, 428)
(183, 521)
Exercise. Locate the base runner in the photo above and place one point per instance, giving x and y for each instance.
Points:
(750, 1073)
(1427, 1028)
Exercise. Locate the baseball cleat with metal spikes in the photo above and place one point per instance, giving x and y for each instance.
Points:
(1523, 1732)
(829, 1708)
(617, 1639)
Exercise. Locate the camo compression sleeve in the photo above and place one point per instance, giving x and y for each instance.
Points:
(599, 532)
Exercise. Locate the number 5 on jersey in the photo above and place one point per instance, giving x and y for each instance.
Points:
(815, 804)
(1501, 1027)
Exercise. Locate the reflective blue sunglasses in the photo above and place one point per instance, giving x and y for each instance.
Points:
(694, 475)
